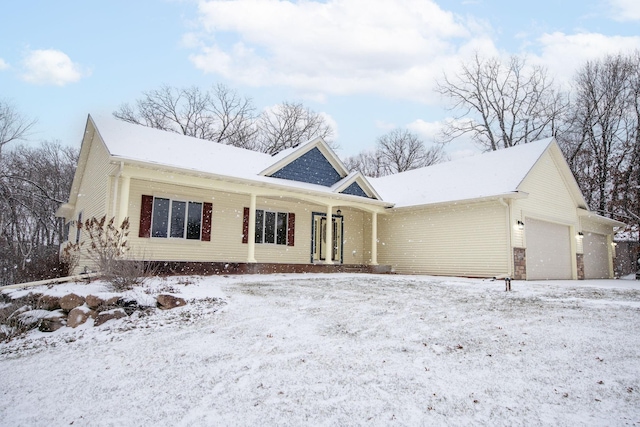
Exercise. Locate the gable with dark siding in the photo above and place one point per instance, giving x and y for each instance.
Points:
(312, 167)
(355, 190)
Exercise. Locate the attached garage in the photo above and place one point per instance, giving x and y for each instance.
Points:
(596, 256)
(548, 250)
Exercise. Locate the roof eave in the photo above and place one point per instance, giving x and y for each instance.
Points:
(250, 182)
(508, 195)
(599, 218)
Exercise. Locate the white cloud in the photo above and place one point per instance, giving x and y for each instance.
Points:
(397, 48)
(3, 65)
(625, 10)
(50, 66)
(563, 54)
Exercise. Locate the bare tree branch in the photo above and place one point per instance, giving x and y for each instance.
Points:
(13, 125)
(501, 105)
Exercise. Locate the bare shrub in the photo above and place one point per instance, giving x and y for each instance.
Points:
(12, 324)
(69, 259)
(109, 249)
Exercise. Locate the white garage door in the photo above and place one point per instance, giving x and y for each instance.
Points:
(548, 250)
(596, 256)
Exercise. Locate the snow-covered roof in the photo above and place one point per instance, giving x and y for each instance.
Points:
(132, 142)
(145, 144)
(487, 175)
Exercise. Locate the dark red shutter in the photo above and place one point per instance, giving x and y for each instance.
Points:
(245, 226)
(146, 210)
(206, 222)
(291, 229)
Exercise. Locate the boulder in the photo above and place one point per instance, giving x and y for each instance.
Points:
(48, 302)
(105, 316)
(93, 301)
(167, 302)
(53, 321)
(79, 316)
(71, 301)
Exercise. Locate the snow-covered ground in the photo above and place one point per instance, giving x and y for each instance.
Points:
(339, 350)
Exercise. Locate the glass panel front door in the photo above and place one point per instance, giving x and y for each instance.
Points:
(320, 245)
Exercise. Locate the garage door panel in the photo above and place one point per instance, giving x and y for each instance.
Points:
(596, 256)
(548, 250)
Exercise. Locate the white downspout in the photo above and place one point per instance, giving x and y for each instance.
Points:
(509, 254)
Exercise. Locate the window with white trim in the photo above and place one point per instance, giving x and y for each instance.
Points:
(271, 227)
(176, 219)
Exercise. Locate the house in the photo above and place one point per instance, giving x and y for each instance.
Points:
(198, 204)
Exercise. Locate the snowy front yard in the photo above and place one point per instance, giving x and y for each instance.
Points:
(340, 350)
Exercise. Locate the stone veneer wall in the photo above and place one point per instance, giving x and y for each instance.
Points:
(580, 265)
(520, 264)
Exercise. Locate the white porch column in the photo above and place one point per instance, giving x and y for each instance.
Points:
(329, 235)
(123, 211)
(251, 238)
(374, 238)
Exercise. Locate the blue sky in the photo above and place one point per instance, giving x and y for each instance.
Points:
(369, 65)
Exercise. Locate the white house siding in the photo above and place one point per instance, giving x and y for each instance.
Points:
(464, 240)
(300, 253)
(226, 227)
(549, 200)
(92, 196)
(353, 236)
(366, 236)
(548, 197)
(94, 187)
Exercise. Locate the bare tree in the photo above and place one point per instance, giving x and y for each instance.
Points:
(13, 125)
(502, 105)
(219, 115)
(402, 150)
(603, 145)
(396, 151)
(369, 163)
(289, 124)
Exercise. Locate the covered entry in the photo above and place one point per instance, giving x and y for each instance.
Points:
(548, 250)
(319, 246)
(596, 256)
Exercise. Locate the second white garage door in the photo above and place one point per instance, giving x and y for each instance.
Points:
(548, 250)
(596, 256)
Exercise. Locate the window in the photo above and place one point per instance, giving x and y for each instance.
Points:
(175, 218)
(277, 228)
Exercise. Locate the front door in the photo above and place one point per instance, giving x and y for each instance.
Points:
(319, 235)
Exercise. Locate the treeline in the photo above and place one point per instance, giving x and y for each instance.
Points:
(34, 182)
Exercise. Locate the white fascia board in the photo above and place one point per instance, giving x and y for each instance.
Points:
(599, 218)
(362, 181)
(510, 195)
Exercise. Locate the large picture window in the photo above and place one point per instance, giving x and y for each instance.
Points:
(177, 219)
